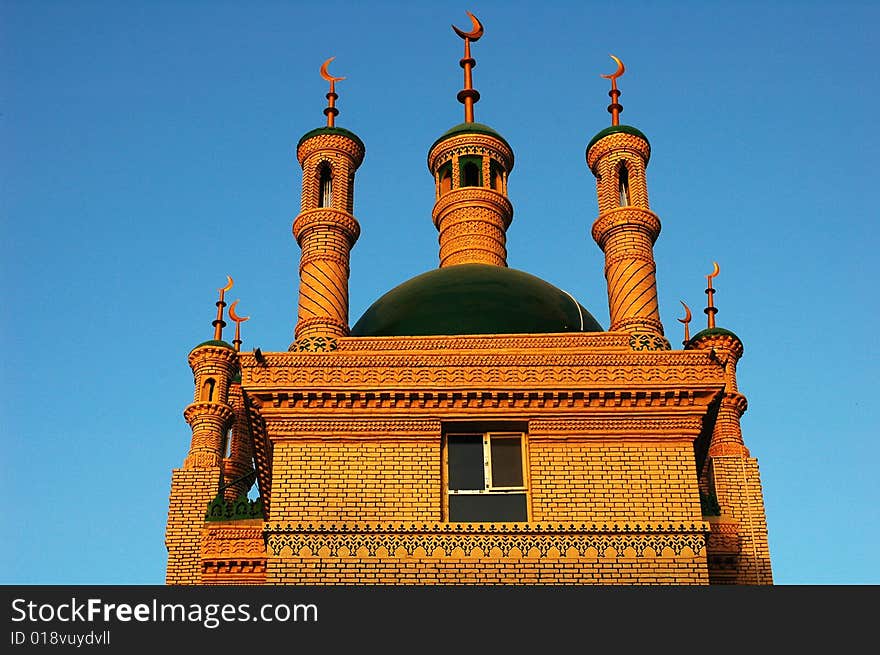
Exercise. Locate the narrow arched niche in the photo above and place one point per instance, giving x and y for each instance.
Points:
(208, 389)
(325, 185)
(496, 176)
(471, 171)
(623, 191)
(445, 178)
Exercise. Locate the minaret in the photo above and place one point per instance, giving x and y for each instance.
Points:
(326, 229)
(470, 164)
(730, 472)
(238, 466)
(214, 364)
(626, 228)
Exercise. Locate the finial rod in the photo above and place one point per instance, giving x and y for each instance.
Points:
(686, 321)
(615, 108)
(218, 322)
(236, 343)
(711, 310)
(330, 111)
(468, 96)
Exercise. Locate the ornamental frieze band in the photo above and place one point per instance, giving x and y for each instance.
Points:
(481, 541)
(451, 374)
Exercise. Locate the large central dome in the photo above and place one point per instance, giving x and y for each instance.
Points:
(474, 299)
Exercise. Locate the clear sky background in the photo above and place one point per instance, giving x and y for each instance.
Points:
(148, 151)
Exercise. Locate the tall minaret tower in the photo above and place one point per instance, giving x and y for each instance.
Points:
(326, 229)
(214, 364)
(470, 164)
(626, 228)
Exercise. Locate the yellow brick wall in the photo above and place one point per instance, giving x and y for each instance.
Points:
(737, 484)
(424, 571)
(191, 491)
(608, 482)
(350, 481)
(356, 480)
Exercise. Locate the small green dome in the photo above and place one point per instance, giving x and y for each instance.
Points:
(469, 128)
(713, 332)
(214, 342)
(341, 131)
(617, 129)
(474, 299)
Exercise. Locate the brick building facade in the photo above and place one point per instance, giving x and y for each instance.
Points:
(476, 425)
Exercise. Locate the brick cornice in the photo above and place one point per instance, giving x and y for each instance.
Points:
(621, 219)
(208, 411)
(327, 218)
(470, 144)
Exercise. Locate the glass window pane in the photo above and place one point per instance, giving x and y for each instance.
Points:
(465, 456)
(506, 462)
(488, 508)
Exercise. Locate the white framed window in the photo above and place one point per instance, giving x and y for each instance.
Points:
(485, 476)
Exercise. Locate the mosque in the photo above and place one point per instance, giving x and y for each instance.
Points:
(476, 425)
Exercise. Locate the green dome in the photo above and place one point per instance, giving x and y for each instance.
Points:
(341, 131)
(214, 342)
(617, 129)
(469, 128)
(474, 299)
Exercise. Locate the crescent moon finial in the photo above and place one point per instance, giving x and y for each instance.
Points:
(327, 76)
(475, 33)
(621, 69)
(715, 271)
(236, 342)
(615, 107)
(331, 112)
(228, 286)
(685, 320)
(235, 317)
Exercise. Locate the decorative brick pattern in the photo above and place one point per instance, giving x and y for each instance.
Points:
(326, 235)
(475, 554)
(472, 220)
(626, 232)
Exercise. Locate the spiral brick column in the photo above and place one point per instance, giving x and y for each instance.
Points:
(626, 230)
(326, 231)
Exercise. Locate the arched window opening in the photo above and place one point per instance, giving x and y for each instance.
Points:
(495, 176)
(470, 174)
(325, 186)
(445, 174)
(227, 443)
(208, 390)
(623, 184)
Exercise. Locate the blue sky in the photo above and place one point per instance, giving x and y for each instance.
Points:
(148, 151)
